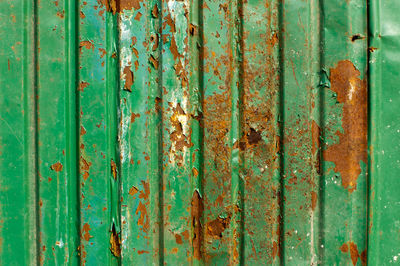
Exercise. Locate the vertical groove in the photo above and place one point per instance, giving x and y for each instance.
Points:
(195, 33)
(155, 126)
(236, 84)
(72, 134)
(31, 129)
(321, 196)
(112, 89)
(281, 122)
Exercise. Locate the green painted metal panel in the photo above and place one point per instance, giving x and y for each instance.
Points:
(199, 132)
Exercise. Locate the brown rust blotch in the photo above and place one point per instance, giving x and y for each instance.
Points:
(113, 169)
(129, 78)
(115, 242)
(134, 116)
(57, 167)
(216, 227)
(354, 254)
(119, 6)
(85, 232)
(83, 85)
(86, 44)
(352, 146)
(314, 199)
(133, 190)
(196, 213)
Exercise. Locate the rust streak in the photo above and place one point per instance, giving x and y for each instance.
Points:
(352, 146)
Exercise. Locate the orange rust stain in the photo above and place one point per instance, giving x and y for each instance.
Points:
(154, 62)
(138, 16)
(133, 190)
(85, 167)
(83, 131)
(178, 239)
(86, 44)
(140, 252)
(143, 220)
(314, 199)
(274, 249)
(115, 243)
(154, 11)
(354, 254)
(113, 169)
(85, 232)
(174, 250)
(216, 227)
(316, 133)
(196, 213)
(352, 146)
(57, 167)
(129, 78)
(83, 85)
(103, 52)
(121, 5)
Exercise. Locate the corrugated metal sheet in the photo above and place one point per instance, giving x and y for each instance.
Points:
(199, 132)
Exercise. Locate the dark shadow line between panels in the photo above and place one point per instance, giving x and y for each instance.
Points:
(242, 168)
(72, 122)
(160, 137)
(35, 151)
(78, 124)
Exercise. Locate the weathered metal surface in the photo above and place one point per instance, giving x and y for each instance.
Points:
(199, 132)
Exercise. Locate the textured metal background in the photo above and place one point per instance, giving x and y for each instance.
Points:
(215, 132)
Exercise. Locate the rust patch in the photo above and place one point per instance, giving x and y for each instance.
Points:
(115, 242)
(85, 167)
(314, 199)
(143, 220)
(57, 167)
(196, 213)
(216, 227)
(133, 190)
(178, 239)
(85, 232)
(253, 137)
(154, 11)
(83, 85)
(352, 146)
(354, 254)
(177, 137)
(154, 62)
(129, 79)
(134, 116)
(119, 6)
(86, 44)
(113, 169)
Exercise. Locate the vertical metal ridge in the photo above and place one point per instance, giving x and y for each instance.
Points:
(113, 159)
(31, 130)
(72, 122)
(374, 140)
(195, 33)
(155, 125)
(236, 160)
(315, 52)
